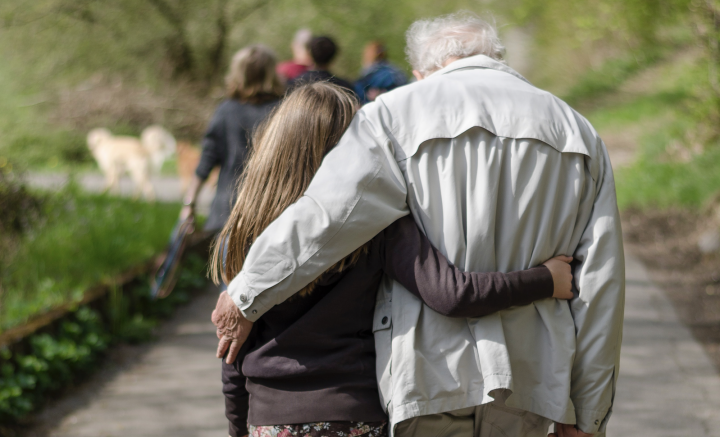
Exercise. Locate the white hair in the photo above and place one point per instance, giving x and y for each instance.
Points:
(431, 42)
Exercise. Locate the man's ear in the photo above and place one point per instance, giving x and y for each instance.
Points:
(418, 75)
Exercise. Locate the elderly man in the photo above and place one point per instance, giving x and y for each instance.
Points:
(500, 176)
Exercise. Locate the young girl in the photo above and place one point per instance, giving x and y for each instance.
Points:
(308, 366)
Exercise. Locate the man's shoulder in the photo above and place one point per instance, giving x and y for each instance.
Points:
(445, 106)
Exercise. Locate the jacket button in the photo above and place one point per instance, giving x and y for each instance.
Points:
(254, 311)
(384, 320)
(243, 298)
(596, 422)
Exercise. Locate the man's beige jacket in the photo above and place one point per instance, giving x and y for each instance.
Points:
(501, 176)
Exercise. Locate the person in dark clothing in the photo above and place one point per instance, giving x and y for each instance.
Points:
(308, 365)
(322, 50)
(253, 90)
(378, 75)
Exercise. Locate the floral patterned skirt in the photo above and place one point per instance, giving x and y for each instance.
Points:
(321, 429)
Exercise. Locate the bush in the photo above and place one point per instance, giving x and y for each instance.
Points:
(18, 207)
(74, 347)
(53, 361)
(49, 150)
(19, 210)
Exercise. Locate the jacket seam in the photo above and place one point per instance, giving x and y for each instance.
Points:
(478, 125)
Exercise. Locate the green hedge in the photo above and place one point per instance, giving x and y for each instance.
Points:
(74, 346)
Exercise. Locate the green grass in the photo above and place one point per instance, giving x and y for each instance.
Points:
(86, 239)
(659, 115)
(610, 76)
(49, 150)
(639, 110)
(653, 183)
(657, 178)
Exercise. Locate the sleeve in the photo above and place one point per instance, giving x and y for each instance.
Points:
(411, 260)
(236, 399)
(599, 273)
(213, 145)
(357, 192)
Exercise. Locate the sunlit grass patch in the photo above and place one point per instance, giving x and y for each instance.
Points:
(653, 115)
(611, 75)
(658, 184)
(638, 110)
(658, 177)
(84, 239)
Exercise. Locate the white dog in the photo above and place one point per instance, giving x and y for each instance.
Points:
(117, 154)
(160, 145)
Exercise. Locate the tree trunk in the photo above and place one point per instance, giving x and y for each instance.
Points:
(178, 46)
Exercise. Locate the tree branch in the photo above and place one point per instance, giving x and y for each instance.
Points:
(243, 14)
(217, 51)
(179, 47)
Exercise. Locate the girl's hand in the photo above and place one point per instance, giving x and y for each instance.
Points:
(562, 276)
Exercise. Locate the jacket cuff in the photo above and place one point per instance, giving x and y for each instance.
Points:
(592, 421)
(245, 299)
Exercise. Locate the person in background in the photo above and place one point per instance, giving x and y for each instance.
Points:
(378, 75)
(289, 70)
(322, 50)
(253, 90)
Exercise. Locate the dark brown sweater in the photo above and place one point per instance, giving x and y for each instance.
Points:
(312, 358)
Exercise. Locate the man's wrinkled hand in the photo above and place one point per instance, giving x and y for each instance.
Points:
(564, 430)
(232, 327)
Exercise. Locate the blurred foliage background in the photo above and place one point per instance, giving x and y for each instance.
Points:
(646, 71)
(132, 62)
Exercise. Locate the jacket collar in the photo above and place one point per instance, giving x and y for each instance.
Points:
(478, 61)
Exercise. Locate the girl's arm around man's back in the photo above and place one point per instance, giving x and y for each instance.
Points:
(412, 260)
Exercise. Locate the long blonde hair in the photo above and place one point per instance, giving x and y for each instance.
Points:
(288, 150)
(252, 76)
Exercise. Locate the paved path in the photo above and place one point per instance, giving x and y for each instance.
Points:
(173, 390)
(668, 387)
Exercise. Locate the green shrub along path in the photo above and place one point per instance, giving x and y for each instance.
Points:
(71, 349)
(55, 247)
